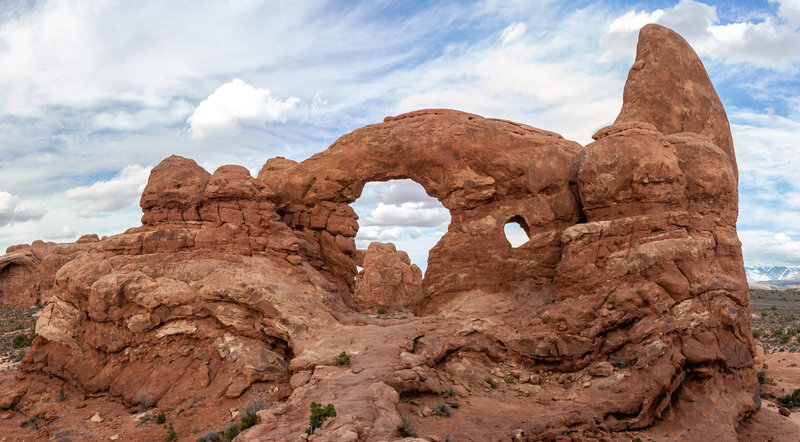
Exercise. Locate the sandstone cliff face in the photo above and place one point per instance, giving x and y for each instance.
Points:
(631, 290)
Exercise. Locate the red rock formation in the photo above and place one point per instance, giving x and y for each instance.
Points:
(630, 298)
(388, 280)
(27, 271)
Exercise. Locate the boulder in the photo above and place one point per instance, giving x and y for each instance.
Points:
(388, 280)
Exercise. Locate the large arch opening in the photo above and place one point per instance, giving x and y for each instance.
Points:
(400, 212)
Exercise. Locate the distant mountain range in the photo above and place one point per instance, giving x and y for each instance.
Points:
(773, 277)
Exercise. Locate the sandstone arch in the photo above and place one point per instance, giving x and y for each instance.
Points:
(484, 171)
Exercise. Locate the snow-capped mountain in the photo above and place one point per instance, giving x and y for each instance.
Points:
(776, 273)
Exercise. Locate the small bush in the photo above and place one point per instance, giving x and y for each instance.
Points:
(61, 396)
(757, 333)
(381, 311)
(32, 422)
(762, 377)
(408, 428)
(144, 401)
(319, 415)
(22, 340)
(248, 421)
(161, 418)
(211, 436)
(790, 400)
(764, 314)
(171, 434)
(442, 409)
(343, 359)
(230, 432)
(254, 405)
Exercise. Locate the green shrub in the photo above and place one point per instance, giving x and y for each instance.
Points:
(343, 359)
(32, 422)
(230, 432)
(381, 311)
(248, 421)
(790, 400)
(161, 418)
(319, 415)
(762, 377)
(61, 396)
(757, 333)
(22, 340)
(171, 434)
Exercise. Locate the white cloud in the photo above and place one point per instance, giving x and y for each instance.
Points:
(513, 32)
(378, 233)
(395, 192)
(789, 10)
(768, 43)
(406, 214)
(64, 233)
(238, 102)
(114, 194)
(12, 211)
(767, 248)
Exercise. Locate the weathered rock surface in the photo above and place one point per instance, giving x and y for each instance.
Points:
(388, 279)
(629, 300)
(27, 272)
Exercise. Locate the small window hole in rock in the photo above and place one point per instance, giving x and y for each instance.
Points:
(516, 231)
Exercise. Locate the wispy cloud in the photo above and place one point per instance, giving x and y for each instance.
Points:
(114, 194)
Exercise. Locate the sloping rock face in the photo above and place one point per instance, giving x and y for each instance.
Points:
(388, 280)
(630, 297)
(27, 272)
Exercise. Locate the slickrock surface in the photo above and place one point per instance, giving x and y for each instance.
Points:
(627, 309)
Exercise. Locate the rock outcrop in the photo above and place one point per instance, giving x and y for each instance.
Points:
(27, 272)
(388, 281)
(629, 299)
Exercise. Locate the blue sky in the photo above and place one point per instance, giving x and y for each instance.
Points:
(94, 94)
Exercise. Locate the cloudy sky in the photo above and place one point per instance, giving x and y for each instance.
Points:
(93, 94)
